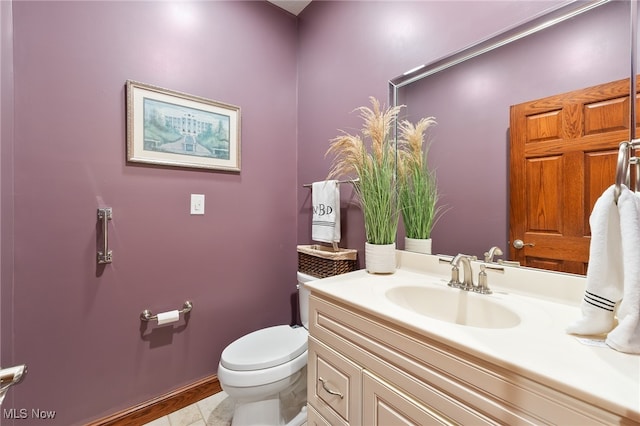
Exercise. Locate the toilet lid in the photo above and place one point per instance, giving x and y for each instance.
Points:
(265, 348)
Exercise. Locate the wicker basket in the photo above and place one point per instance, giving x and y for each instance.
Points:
(322, 261)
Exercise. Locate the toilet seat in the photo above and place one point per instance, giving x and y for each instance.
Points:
(265, 348)
(256, 378)
(263, 357)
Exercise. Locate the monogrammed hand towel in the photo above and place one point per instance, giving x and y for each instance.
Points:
(325, 199)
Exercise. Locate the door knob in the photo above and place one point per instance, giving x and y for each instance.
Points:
(519, 244)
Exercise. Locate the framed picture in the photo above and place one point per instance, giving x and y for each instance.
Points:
(169, 128)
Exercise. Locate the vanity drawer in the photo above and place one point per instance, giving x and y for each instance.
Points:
(334, 386)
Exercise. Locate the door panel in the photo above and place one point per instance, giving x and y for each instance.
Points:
(543, 184)
(563, 156)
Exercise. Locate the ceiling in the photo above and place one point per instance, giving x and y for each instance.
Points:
(291, 6)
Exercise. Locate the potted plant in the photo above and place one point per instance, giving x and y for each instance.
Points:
(417, 186)
(371, 158)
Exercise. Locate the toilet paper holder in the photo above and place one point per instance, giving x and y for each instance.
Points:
(147, 315)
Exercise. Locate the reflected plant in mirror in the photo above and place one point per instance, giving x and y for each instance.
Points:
(417, 185)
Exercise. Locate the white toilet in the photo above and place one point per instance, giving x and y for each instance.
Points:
(265, 374)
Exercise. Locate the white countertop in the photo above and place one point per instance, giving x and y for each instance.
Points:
(538, 348)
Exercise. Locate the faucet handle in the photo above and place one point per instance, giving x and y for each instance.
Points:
(455, 277)
(493, 251)
(483, 283)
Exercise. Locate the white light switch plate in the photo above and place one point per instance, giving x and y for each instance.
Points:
(197, 203)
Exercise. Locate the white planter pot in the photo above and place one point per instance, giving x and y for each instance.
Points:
(418, 245)
(380, 258)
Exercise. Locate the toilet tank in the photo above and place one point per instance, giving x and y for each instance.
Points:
(303, 297)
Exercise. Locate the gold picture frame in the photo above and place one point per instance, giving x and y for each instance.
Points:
(170, 128)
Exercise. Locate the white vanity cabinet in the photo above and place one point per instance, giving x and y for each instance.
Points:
(365, 370)
(336, 387)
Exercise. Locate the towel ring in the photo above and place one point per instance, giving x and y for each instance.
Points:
(622, 169)
(636, 162)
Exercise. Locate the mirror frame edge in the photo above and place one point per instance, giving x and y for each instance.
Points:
(531, 26)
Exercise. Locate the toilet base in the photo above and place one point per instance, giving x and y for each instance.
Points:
(286, 408)
(265, 412)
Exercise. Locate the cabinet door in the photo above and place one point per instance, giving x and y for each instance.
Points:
(334, 385)
(314, 418)
(384, 405)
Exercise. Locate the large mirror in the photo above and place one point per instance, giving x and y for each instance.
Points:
(576, 46)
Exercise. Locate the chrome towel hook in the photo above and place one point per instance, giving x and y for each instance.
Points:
(627, 157)
(105, 215)
(622, 169)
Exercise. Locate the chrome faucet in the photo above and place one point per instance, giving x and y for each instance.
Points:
(493, 251)
(467, 283)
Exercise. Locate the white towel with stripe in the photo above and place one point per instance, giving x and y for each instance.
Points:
(325, 200)
(605, 271)
(626, 336)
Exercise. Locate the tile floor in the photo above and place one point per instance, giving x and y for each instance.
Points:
(217, 410)
(206, 412)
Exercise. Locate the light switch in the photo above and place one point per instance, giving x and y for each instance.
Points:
(197, 203)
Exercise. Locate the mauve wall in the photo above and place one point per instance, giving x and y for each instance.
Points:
(6, 179)
(77, 326)
(350, 50)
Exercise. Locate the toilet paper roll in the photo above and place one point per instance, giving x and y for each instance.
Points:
(168, 317)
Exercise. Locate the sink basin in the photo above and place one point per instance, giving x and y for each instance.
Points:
(454, 306)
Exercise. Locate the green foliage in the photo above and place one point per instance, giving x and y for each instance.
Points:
(376, 189)
(417, 186)
(159, 132)
(418, 198)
